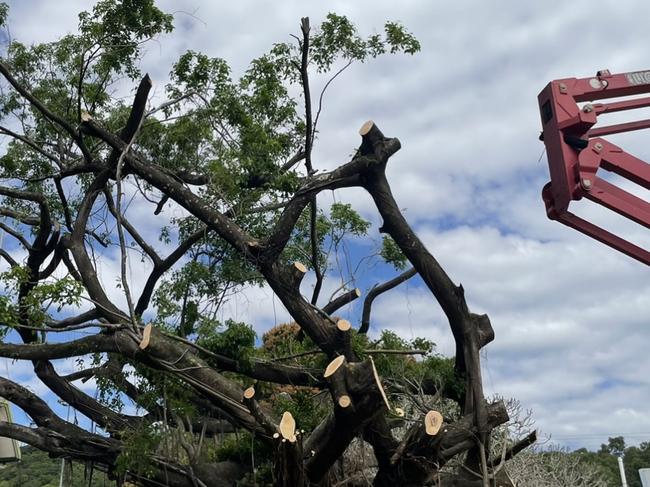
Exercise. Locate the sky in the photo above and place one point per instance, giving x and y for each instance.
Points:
(570, 315)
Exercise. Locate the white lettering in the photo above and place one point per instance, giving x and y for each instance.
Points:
(638, 78)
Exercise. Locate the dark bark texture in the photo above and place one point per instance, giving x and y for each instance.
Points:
(212, 381)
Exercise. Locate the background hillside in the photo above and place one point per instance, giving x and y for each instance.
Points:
(38, 470)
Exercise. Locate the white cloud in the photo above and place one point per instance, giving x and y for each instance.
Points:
(571, 336)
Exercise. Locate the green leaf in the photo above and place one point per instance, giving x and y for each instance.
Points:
(392, 254)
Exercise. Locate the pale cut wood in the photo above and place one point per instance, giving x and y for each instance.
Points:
(288, 427)
(345, 401)
(276, 435)
(366, 127)
(343, 325)
(297, 272)
(249, 393)
(357, 291)
(432, 422)
(378, 381)
(333, 366)
(86, 117)
(399, 412)
(146, 336)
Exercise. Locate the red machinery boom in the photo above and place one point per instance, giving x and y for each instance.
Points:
(576, 152)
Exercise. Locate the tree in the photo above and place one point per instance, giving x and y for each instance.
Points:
(555, 467)
(634, 458)
(234, 158)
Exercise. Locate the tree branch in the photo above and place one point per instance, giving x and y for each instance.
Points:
(36, 103)
(378, 289)
(340, 301)
(163, 265)
(470, 331)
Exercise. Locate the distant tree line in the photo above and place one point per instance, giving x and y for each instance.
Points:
(37, 469)
(634, 458)
(556, 467)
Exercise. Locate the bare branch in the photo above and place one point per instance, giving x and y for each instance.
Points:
(378, 289)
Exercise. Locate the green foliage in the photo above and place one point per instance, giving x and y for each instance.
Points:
(346, 221)
(338, 38)
(4, 11)
(605, 463)
(634, 458)
(305, 409)
(441, 371)
(433, 367)
(189, 299)
(255, 119)
(137, 447)
(40, 299)
(59, 293)
(392, 365)
(107, 391)
(236, 341)
(198, 72)
(241, 448)
(615, 446)
(8, 315)
(392, 254)
(71, 76)
(238, 447)
(343, 222)
(118, 28)
(37, 469)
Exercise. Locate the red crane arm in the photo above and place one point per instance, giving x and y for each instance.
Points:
(576, 151)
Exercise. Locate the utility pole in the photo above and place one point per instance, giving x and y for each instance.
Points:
(621, 469)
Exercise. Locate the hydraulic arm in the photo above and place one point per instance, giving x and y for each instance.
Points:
(577, 151)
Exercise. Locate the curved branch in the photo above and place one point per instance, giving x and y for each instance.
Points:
(10, 260)
(17, 235)
(22, 218)
(53, 433)
(378, 289)
(75, 243)
(82, 446)
(76, 320)
(163, 265)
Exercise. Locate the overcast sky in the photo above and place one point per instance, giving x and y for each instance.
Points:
(570, 315)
